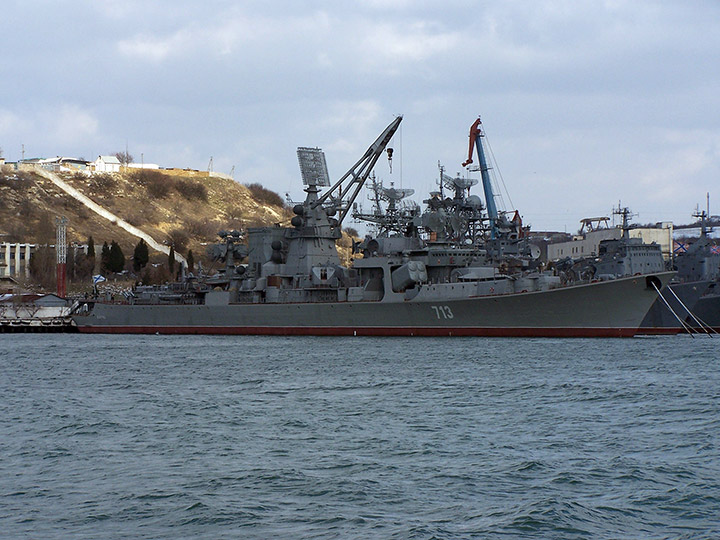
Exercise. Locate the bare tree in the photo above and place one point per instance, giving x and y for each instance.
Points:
(124, 158)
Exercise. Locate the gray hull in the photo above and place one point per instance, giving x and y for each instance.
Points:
(603, 309)
(661, 320)
(707, 308)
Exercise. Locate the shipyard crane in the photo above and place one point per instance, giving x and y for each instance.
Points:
(476, 136)
(356, 176)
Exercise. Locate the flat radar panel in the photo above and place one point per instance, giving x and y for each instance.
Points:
(313, 167)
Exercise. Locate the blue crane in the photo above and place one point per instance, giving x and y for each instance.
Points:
(476, 135)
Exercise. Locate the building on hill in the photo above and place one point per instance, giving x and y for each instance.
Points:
(15, 259)
(106, 164)
(143, 166)
(64, 164)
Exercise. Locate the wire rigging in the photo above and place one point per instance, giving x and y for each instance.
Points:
(499, 174)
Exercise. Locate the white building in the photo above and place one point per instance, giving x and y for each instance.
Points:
(15, 259)
(143, 166)
(106, 164)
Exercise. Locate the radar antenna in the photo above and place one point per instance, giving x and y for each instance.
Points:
(313, 167)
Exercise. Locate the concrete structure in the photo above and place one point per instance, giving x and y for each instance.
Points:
(106, 164)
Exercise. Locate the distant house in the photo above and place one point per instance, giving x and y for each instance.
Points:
(106, 164)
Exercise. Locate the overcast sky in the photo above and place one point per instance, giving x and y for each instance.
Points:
(585, 103)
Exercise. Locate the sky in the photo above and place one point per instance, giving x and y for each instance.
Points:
(586, 104)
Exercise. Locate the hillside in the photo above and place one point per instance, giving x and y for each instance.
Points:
(186, 210)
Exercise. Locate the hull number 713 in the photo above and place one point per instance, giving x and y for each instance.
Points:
(443, 312)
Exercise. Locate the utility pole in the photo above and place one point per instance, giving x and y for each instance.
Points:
(61, 251)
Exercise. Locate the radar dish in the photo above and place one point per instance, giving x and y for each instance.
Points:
(313, 167)
(464, 183)
(397, 194)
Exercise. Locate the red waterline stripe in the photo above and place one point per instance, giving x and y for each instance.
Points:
(363, 331)
(656, 331)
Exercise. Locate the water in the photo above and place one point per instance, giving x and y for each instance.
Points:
(260, 437)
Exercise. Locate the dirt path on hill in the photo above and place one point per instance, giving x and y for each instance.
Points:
(99, 210)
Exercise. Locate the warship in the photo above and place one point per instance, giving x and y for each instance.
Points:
(701, 261)
(631, 256)
(458, 268)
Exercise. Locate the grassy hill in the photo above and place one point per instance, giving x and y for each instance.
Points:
(184, 209)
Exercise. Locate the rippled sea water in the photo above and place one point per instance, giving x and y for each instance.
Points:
(308, 437)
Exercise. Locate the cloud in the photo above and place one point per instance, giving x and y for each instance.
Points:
(11, 123)
(48, 131)
(584, 101)
(398, 43)
(73, 125)
(226, 33)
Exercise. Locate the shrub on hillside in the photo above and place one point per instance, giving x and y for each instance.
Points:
(18, 180)
(103, 181)
(158, 188)
(191, 190)
(264, 195)
(202, 229)
(158, 185)
(136, 218)
(178, 238)
(17, 231)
